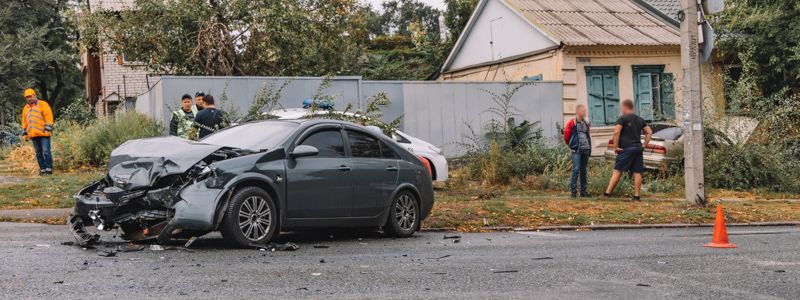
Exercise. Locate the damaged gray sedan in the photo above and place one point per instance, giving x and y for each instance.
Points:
(253, 180)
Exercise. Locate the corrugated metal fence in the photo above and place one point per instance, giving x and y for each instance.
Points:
(439, 112)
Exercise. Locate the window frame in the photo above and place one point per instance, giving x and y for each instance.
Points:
(612, 71)
(378, 141)
(657, 92)
(323, 127)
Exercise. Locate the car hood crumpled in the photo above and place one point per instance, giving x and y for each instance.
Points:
(139, 163)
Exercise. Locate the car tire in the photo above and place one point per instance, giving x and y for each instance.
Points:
(249, 211)
(403, 219)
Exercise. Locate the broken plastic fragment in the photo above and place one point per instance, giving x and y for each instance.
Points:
(83, 238)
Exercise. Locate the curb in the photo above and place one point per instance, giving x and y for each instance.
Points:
(618, 226)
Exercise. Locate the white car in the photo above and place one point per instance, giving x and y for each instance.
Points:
(426, 150)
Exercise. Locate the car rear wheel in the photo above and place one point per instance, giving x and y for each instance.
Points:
(251, 217)
(403, 215)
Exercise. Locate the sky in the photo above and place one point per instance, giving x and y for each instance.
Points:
(435, 3)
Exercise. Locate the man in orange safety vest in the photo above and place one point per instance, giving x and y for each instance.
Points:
(37, 121)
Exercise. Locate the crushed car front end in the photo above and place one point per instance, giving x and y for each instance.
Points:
(150, 195)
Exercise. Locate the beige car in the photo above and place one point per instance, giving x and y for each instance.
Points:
(665, 148)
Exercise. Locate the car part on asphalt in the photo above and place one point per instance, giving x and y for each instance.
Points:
(83, 238)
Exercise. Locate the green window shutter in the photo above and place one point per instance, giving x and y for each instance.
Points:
(611, 92)
(644, 95)
(668, 95)
(596, 105)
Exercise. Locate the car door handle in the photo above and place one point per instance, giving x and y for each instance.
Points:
(344, 168)
(391, 168)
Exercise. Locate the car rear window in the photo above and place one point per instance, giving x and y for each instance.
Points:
(669, 134)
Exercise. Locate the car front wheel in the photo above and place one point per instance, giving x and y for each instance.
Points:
(251, 217)
(403, 215)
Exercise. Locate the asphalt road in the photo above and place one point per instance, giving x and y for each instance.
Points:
(642, 264)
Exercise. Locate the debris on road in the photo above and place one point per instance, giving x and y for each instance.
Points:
(322, 261)
(130, 248)
(190, 242)
(451, 237)
(321, 246)
(156, 247)
(58, 282)
(440, 257)
(67, 243)
(542, 258)
(83, 238)
(504, 271)
(276, 247)
(642, 284)
(316, 274)
(107, 253)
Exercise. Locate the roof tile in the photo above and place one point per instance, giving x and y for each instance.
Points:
(597, 22)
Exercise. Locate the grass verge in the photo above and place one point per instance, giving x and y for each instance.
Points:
(472, 210)
(53, 191)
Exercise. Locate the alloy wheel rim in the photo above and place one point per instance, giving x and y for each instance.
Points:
(405, 212)
(255, 218)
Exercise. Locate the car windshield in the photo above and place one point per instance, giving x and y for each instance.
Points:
(254, 136)
(669, 134)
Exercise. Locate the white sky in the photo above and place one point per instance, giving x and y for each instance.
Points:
(435, 3)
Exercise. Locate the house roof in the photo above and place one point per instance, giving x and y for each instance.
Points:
(670, 8)
(596, 22)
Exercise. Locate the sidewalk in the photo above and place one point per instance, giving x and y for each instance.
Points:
(38, 215)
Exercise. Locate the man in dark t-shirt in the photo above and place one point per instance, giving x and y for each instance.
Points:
(208, 120)
(629, 148)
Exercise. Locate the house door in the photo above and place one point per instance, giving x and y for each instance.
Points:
(603, 94)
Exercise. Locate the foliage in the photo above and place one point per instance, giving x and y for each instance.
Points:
(10, 134)
(79, 112)
(267, 99)
(76, 145)
(764, 36)
(237, 37)
(749, 166)
(456, 17)
(37, 49)
(399, 16)
(371, 115)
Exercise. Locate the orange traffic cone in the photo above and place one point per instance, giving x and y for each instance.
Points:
(720, 238)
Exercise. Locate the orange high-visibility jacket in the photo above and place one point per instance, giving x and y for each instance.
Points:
(35, 117)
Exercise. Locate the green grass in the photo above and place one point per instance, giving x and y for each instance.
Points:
(46, 191)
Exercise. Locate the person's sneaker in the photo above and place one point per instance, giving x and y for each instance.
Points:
(636, 198)
(585, 195)
(607, 195)
(573, 195)
(42, 172)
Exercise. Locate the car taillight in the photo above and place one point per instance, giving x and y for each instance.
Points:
(657, 149)
(427, 165)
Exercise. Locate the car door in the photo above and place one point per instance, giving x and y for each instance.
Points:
(320, 186)
(374, 176)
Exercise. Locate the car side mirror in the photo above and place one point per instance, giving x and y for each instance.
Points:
(303, 151)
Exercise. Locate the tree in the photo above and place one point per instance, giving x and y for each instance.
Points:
(456, 17)
(234, 37)
(37, 49)
(764, 37)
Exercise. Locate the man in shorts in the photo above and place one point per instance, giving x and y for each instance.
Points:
(629, 148)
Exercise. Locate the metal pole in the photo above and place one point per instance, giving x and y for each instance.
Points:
(692, 105)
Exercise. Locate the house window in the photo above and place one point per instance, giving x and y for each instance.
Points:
(654, 93)
(602, 84)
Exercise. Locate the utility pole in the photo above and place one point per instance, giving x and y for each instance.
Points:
(692, 105)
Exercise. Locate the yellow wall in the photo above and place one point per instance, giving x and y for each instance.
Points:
(567, 64)
(625, 59)
(543, 63)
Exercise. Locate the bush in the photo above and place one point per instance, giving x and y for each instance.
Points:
(79, 111)
(105, 134)
(748, 166)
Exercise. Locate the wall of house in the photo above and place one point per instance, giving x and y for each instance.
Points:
(544, 64)
(120, 81)
(496, 35)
